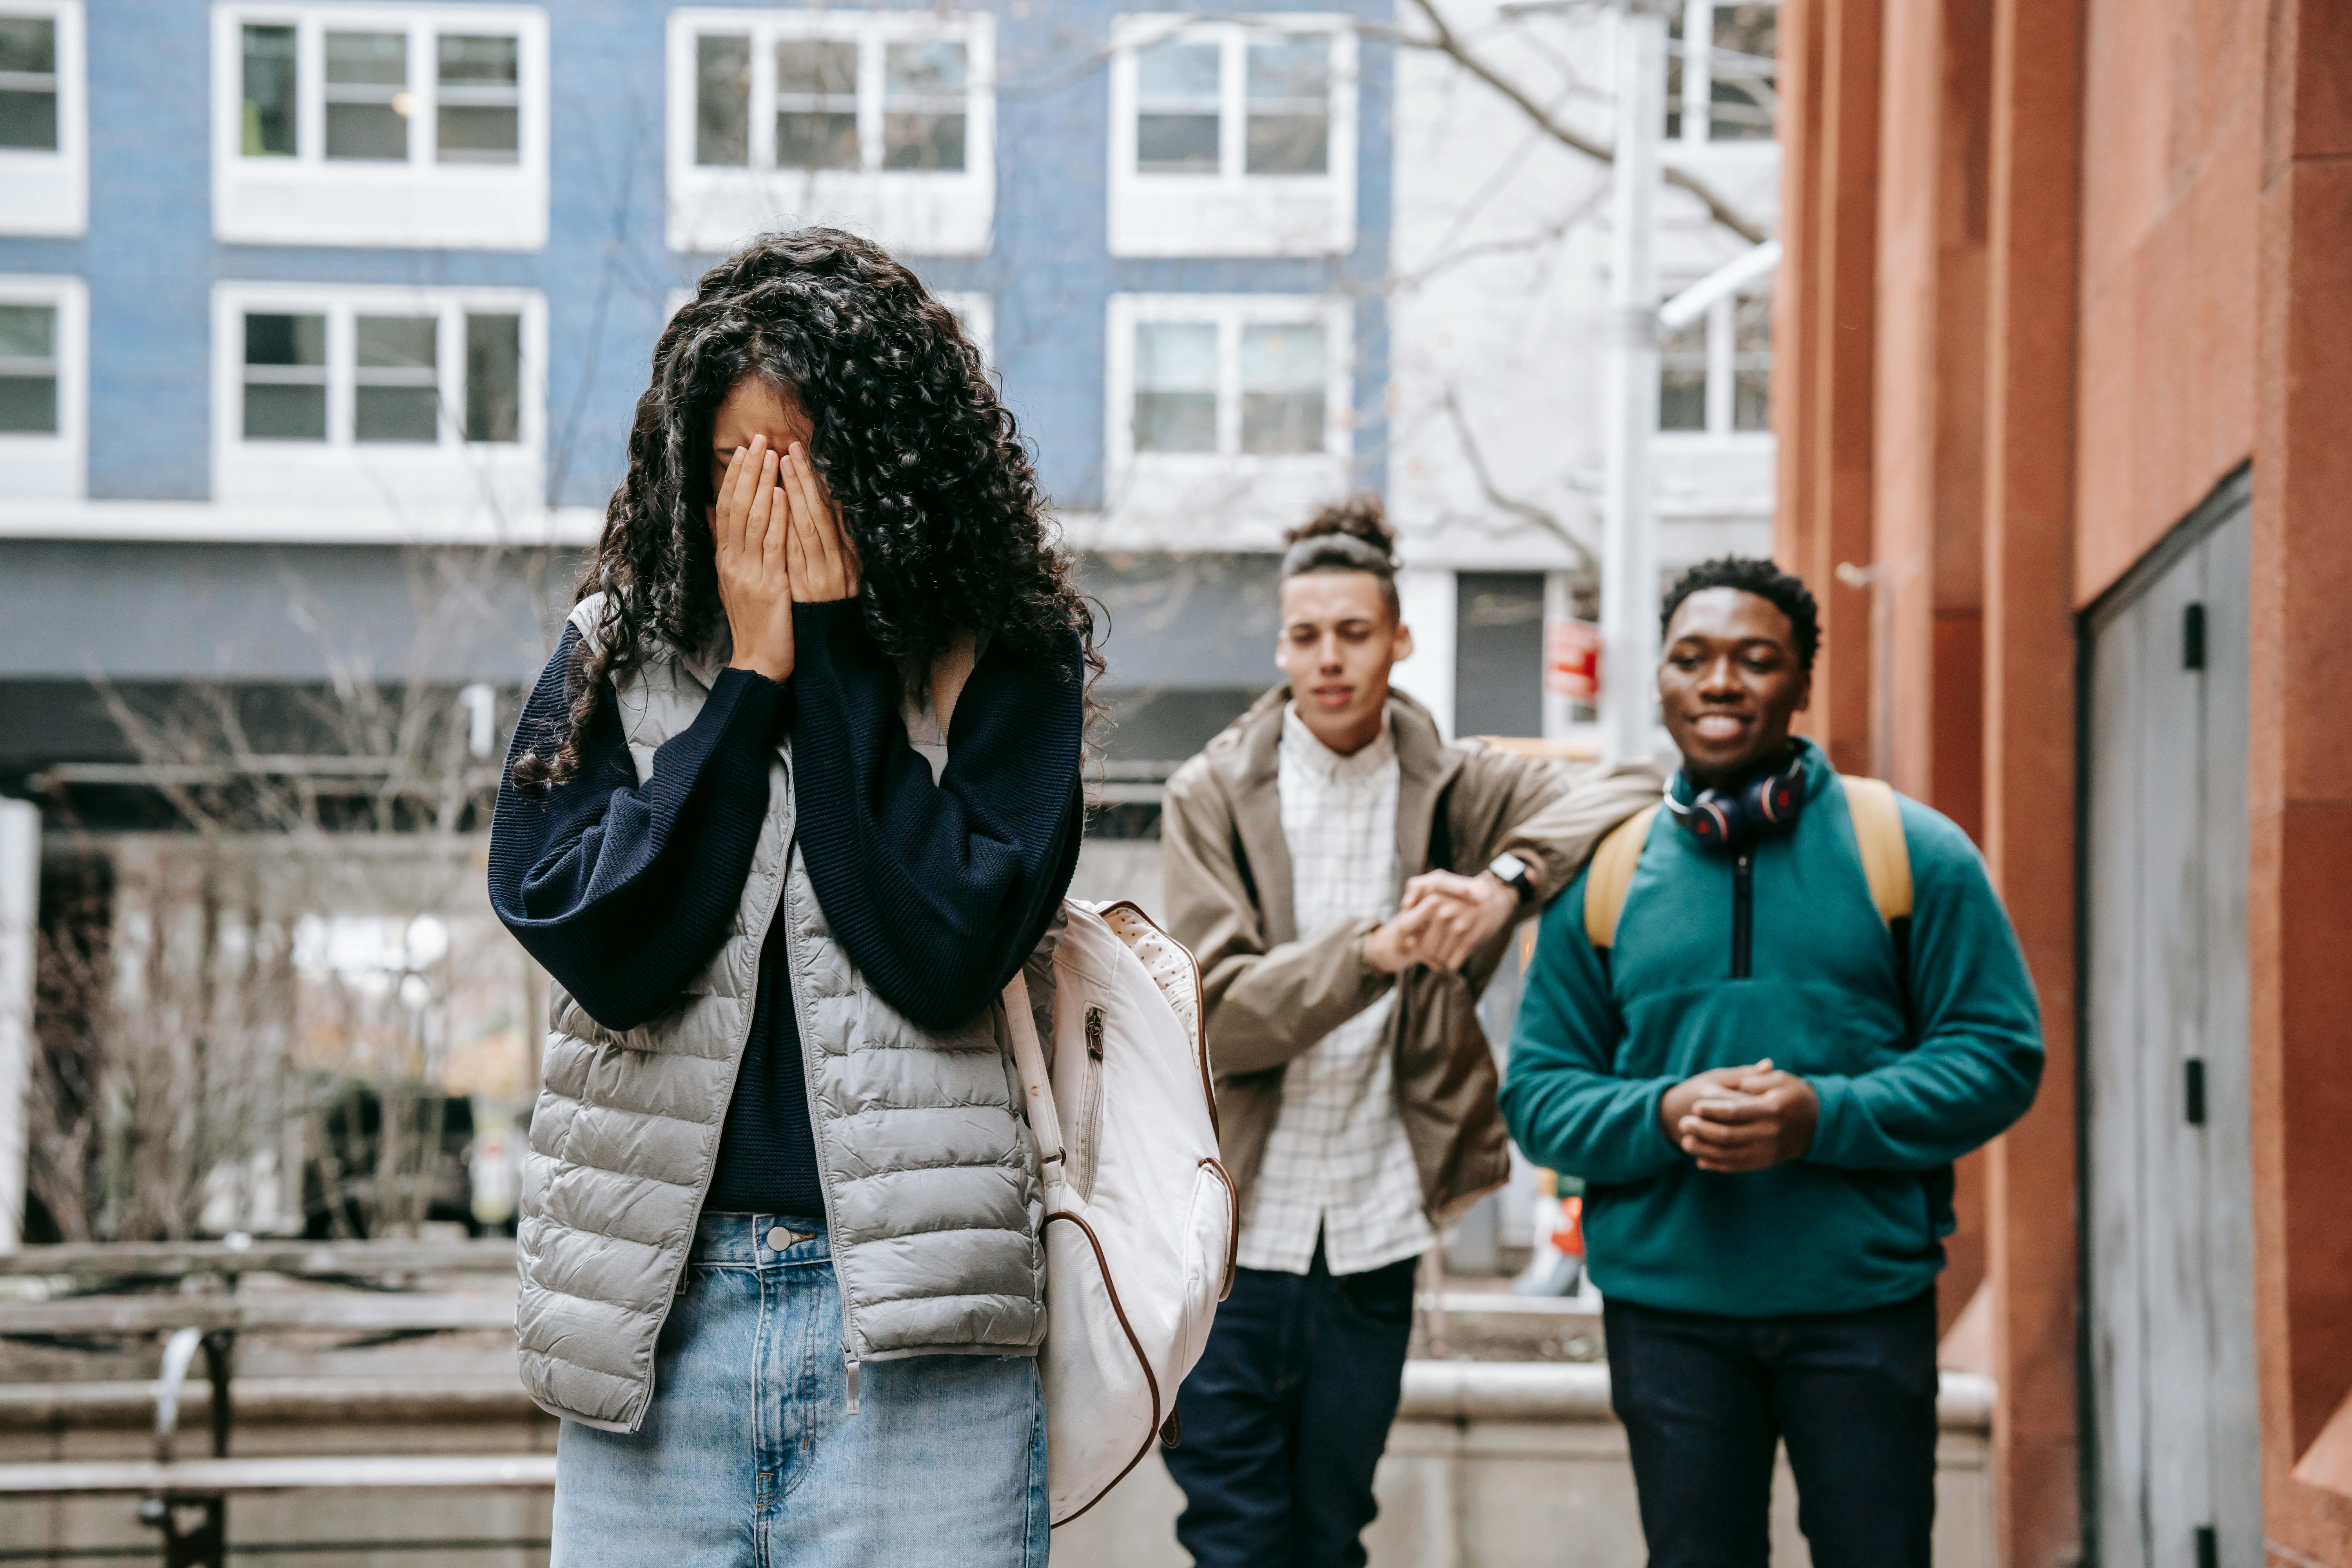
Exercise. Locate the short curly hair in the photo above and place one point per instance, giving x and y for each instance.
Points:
(1753, 575)
(932, 477)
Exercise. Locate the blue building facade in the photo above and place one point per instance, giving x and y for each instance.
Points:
(305, 293)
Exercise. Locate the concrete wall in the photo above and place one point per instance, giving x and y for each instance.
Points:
(1514, 1466)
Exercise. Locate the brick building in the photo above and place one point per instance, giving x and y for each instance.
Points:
(2064, 393)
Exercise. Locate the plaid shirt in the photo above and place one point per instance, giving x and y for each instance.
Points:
(1337, 1163)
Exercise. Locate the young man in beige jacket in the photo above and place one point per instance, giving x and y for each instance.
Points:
(1348, 879)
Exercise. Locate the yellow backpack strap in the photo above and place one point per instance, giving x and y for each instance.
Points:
(1886, 854)
(1612, 874)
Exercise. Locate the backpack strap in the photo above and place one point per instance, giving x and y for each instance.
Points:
(1886, 854)
(1612, 874)
(1036, 1083)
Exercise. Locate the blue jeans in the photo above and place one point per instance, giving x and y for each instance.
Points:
(1283, 1421)
(749, 1457)
(1704, 1398)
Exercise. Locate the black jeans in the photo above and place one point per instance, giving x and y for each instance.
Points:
(1284, 1420)
(1853, 1394)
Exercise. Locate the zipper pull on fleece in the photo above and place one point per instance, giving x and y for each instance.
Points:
(849, 1366)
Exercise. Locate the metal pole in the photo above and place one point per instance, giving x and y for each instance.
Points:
(1629, 391)
(20, 896)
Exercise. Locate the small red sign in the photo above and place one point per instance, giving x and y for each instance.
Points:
(1573, 660)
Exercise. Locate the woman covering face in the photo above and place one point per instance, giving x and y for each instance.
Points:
(797, 795)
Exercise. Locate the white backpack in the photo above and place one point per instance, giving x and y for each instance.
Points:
(1141, 1220)
(1142, 1224)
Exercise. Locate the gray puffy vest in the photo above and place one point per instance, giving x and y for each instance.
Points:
(930, 1190)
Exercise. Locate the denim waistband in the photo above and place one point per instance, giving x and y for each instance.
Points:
(750, 1240)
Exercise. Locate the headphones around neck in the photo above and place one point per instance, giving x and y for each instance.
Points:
(1768, 803)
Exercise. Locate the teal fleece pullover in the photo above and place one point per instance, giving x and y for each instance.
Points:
(1905, 1087)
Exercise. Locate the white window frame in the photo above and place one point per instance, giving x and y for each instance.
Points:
(53, 466)
(428, 481)
(420, 201)
(48, 192)
(1228, 498)
(1722, 367)
(916, 212)
(1697, 129)
(1232, 212)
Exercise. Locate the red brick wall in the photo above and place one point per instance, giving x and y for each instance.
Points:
(2299, 898)
(2172, 110)
(2109, 248)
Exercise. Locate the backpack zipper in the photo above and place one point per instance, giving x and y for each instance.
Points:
(1743, 914)
(1089, 1124)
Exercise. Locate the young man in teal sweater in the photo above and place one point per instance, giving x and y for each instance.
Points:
(1763, 1084)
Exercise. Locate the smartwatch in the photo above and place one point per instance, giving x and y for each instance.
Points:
(1514, 874)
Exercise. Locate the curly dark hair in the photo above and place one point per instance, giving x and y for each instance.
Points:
(935, 484)
(1348, 535)
(1753, 575)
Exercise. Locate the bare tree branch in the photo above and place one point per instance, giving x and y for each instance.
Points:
(1543, 518)
(1551, 234)
(1443, 40)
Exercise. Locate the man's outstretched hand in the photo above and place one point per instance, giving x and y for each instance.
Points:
(1741, 1119)
(1464, 912)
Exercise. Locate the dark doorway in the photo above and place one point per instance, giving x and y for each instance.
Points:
(1498, 653)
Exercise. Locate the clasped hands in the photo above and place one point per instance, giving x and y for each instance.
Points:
(779, 542)
(1741, 1119)
(1443, 919)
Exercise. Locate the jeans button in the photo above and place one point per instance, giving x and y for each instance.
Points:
(778, 1238)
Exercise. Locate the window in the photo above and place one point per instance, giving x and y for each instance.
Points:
(1714, 373)
(367, 96)
(321, 386)
(1751, 362)
(285, 376)
(816, 105)
(1178, 105)
(397, 391)
(268, 111)
(1289, 106)
(493, 376)
(1233, 138)
(43, 374)
(44, 156)
(1720, 62)
(29, 369)
(1176, 386)
(1284, 368)
(883, 119)
(1682, 377)
(479, 116)
(28, 83)
(922, 105)
(1231, 405)
(380, 126)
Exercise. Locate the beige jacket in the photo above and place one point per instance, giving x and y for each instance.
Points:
(1270, 996)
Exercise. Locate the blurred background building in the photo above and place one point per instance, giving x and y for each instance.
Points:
(322, 324)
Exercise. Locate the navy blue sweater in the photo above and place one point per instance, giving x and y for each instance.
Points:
(622, 890)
